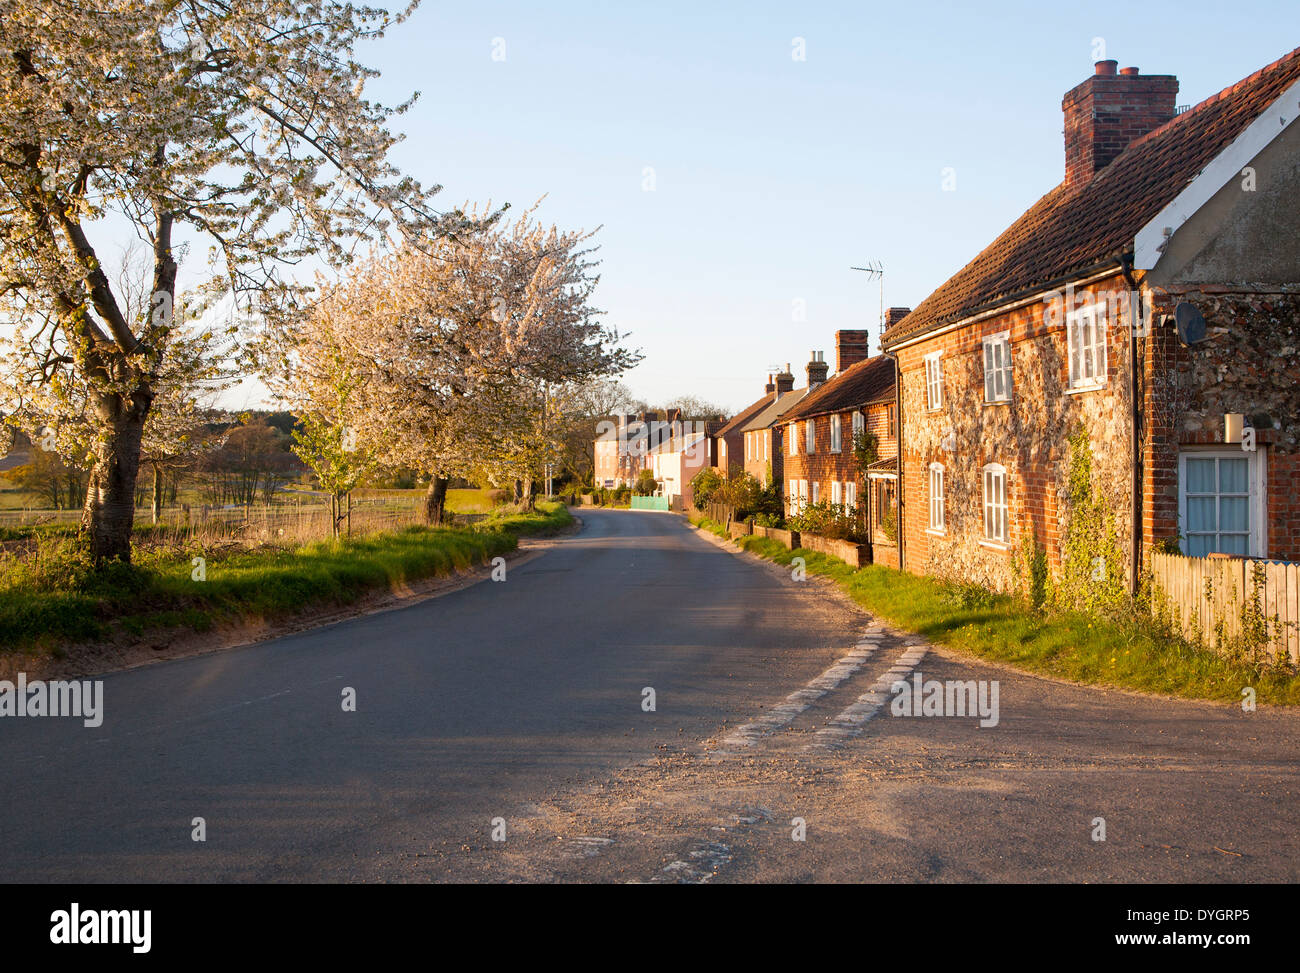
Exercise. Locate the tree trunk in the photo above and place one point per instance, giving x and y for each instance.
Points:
(435, 500)
(157, 492)
(109, 511)
(528, 492)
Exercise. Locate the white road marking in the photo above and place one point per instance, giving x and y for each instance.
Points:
(783, 714)
(849, 722)
(708, 859)
(587, 846)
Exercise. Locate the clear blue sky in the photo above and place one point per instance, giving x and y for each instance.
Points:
(774, 175)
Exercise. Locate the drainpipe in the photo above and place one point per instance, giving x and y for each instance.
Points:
(898, 414)
(1135, 553)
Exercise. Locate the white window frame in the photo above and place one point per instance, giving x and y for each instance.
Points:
(793, 432)
(859, 424)
(816, 491)
(810, 436)
(837, 493)
(934, 381)
(938, 524)
(997, 367)
(767, 438)
(995, 527)
(836, 435)
(1257, 495)
(851, 495)
(1086, 331)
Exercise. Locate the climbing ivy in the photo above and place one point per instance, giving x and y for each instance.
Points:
(1092, 573)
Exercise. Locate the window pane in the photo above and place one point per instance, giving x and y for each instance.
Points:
(1200, 513)
(1076, 350)
(1232, 543)
(1198, 545)
(1234, 513)
(1232, 476)
(1200, 476)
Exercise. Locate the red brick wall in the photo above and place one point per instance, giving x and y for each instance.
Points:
(1028, 436)
(824, 467)
(1250, 365)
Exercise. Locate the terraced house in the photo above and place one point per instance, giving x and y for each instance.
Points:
(734, 445)
(821, 430)
(1147, 308)
(764, 459)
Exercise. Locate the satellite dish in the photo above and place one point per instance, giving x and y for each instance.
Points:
(1190, 323)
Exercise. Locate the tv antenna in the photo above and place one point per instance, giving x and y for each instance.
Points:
(875, 270)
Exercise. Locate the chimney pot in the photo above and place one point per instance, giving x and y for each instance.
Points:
(817, 369)
(1129, 72)
(1105, 67)
(784, 382)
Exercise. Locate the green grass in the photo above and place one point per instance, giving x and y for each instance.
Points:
(1128, 654)
(47, 604)
(471, 501)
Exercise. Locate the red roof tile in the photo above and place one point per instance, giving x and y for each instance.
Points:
(862, 382)
(1068, 232)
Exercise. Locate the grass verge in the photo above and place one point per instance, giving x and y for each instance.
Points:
(56, 598)
(1127, 654)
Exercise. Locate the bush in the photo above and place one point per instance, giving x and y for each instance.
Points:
(830, 520)
(646, 483)
(704, 486)
(889, 524)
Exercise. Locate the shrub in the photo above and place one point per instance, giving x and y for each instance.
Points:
(889, 524)
(704, 486)
(830, 520)
(646, 483)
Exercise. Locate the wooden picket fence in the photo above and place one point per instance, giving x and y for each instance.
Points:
(721, 512)
(1214, 601)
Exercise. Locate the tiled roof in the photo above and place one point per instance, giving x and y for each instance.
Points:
(775, 410)
(745, 414)
(1070, 231)
(860, 383)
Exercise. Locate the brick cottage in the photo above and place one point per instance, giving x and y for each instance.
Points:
(821, 466)
(1151, 302)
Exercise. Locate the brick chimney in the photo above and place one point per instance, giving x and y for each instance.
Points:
(784, 382)
(1107, 112)
(770, 387)
(851, 347)
(817, 368)
(894, 315)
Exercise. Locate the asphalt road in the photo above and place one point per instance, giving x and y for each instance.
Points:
(523, 701)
